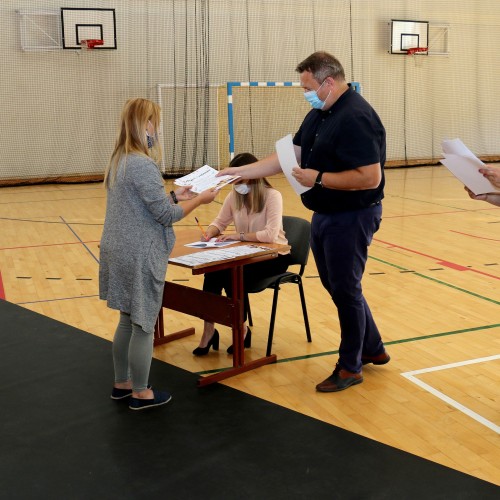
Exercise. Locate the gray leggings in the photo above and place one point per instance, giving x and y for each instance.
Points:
(132, 353)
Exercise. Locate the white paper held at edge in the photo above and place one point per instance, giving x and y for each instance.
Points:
(288, 161)
(464, 165)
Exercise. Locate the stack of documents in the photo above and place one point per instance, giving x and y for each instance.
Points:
(205, 178)
(199, 258)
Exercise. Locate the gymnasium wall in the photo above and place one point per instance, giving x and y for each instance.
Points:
(60, 108)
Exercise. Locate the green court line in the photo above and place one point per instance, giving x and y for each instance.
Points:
(449, 285)
(393, 342)
(413, 339)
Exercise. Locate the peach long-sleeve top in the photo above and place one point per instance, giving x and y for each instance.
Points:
(267, 225)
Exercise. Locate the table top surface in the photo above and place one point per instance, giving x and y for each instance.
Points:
(185, 236)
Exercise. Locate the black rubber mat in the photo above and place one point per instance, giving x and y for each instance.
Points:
(62, 437)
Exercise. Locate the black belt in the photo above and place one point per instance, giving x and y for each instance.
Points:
(375, 204)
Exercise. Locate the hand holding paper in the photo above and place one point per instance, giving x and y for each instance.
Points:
(205, 178)
(464, 165)
(492, 173)
(288, 161)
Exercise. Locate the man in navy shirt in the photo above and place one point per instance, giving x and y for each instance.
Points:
(340, 148)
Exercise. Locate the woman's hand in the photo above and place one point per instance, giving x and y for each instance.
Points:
(184, 193)
(207, 196)
(229, 237)
(481, 197)
(492, 173)
(493, 198)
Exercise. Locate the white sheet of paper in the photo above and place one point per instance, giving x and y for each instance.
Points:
(213, 243)
(464, 165)
(288, 161)
(197, 258)
(457, 147)
(205, 178)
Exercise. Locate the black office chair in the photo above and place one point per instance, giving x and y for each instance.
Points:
(298, 234)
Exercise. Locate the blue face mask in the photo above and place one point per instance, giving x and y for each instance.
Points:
(151, 139)
(313, 99)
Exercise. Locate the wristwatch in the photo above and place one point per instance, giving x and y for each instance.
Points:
(318, 182)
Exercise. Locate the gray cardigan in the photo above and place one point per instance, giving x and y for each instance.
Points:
(136, 241)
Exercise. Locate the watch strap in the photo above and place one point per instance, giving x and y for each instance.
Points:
(318, 181)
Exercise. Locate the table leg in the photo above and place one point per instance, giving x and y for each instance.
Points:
(231, 372)
(237, 326)
(159, 334)
(239, 365)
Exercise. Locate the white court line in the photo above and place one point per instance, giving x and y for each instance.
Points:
(410, 376)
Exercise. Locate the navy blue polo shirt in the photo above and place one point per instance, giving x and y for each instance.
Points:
(348, 135)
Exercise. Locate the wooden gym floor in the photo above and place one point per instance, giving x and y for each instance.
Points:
(432, 282)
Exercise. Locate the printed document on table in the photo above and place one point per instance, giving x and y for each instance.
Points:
(464, 165)
(212, 243)
(197, 258)
(205, 178)
(288, 161)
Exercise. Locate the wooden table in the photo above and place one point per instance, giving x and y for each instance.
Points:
(214, 308)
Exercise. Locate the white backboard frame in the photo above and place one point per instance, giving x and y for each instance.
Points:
(408, 34)
(79, 24)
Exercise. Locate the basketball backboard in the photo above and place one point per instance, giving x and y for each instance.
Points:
(80, 24)
(407, 35)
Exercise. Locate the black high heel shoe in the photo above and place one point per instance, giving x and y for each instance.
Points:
(213, 342)
(247, 342)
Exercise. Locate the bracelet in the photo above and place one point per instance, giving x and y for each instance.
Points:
(242, 236)
(174, 198)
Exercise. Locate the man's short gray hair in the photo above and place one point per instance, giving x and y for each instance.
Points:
(322, 65)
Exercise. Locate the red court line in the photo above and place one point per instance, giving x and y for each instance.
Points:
(444, 263)
(425, 214)
(474, 236)
(2, 289)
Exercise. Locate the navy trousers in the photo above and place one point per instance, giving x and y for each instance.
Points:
(339, 242)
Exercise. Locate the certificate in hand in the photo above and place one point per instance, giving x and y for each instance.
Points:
(464, 165)
(205, 178)
(288, 161)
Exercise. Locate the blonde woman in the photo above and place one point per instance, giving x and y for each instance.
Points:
(256, 209)
(136, 242)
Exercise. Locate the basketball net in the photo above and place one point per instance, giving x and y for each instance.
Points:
(90, 44)
(416, 52)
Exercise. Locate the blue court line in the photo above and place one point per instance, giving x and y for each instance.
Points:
(80, 240)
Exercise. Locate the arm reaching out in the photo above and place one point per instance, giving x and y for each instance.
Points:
(263, 168)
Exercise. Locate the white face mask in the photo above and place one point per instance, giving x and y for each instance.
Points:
(242, 188)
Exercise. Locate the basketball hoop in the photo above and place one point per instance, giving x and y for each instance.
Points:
(90, 44)
(416, 50)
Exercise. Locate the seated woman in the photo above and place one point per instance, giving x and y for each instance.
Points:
(256, 209)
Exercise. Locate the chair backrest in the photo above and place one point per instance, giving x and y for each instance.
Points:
(298, 234)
